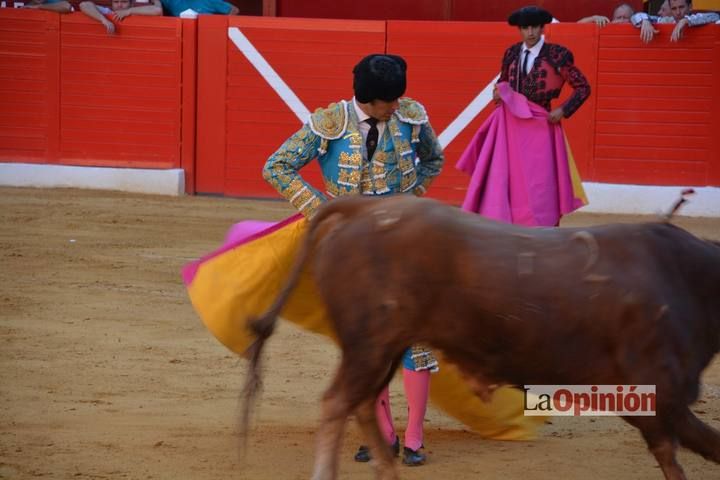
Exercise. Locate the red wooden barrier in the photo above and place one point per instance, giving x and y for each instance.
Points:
(656, 108)
(216, 96)
(121, 94)
(29, 85)
(714, 163)
(71, 94)
(613, 136)
(582, 40)
(189, 103)
(211, 91)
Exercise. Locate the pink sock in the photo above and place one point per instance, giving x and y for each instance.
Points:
(384, 417)
(417, 388)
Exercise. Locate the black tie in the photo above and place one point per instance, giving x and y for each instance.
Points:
(372, 137)
(525, 63)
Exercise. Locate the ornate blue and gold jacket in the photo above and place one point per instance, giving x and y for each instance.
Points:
(408, 156)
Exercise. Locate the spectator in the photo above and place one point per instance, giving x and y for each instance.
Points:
(119, 9)
(682, 16)
(176, 7)
(664, 10)
(621, 14)
(60, 6)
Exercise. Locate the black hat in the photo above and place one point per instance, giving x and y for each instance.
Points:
(379, 77)
(531, 16)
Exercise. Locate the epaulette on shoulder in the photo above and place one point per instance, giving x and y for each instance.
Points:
(411, 112)
(331, 122)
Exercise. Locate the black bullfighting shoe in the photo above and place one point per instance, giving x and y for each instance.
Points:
(413, 458)
(363, 453)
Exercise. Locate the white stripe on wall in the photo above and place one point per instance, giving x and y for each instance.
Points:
(468, 115)
(269, 74)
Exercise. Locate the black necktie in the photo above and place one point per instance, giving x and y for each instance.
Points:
(372, 137)
(525, 64)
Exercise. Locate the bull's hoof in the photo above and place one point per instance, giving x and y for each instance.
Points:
(363, 453)
(413, 458)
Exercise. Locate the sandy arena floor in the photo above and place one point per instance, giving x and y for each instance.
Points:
(107, 373)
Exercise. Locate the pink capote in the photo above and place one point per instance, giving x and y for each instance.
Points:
(518, 165)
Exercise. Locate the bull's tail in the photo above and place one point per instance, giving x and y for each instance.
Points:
(264, 325)
(676, 206)
(697, 436)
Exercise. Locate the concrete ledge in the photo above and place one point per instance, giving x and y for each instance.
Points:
(650, 200)
(136, 180)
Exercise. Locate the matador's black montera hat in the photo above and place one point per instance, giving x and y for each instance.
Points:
(379, 77)
(531, 16)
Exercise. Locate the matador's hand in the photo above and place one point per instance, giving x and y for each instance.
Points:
(556, 115)
(496, 95)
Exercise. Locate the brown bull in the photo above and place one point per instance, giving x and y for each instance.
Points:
(607, 305)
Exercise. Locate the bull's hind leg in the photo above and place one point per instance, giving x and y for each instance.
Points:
(381, 454)
(665, 453)
(661, 444)
(335, 410)
(697, 436)
(356, 383)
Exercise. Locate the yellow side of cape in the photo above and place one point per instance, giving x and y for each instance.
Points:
(578, 189)
(242, 282)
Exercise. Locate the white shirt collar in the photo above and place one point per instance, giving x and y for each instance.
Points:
(363, 126)
(362, 116)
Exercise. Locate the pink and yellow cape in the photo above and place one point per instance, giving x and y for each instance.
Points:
(244, 276)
